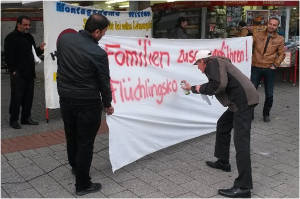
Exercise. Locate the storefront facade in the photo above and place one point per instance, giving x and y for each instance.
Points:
(219, 19)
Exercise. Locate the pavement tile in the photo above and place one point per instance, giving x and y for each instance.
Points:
(286, 178)
(46, 163)
(58, 147)
(44, 151)
(20, 163)
(29, 153)
(170, 188)
(27, 193)
(199, 188)
(109, 186)
(264, 192)
(58, 192)
(68, 184)
(157, 194)
(263, 170)
(288, 190)
(138, 187)
(11, 177)
(97, 194)
(60, 156)
(120, 175)
(123, 194)
(175, 176)
(30, 172)
(155, 165)
(147, 176)
(287, 169)
(4, 194)
(100, 163)
(205, 177)
(44, 183)
(61, 173)
(188, 195)
(3, 158)
(11, 188)
(181, 166)
(13, 156)
(265, 180)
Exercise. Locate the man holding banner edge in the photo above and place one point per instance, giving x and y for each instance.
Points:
(233, 89)
(82, 75)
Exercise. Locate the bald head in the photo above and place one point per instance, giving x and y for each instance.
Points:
(96, 21)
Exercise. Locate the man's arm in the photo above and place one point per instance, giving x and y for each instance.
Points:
(281, 54)
(10, 54)
(102, 69)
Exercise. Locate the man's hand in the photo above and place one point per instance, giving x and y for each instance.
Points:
(273, 67)
(42, 46)
(185, 85)
(197, 88)
(250, 28)
(109, 110)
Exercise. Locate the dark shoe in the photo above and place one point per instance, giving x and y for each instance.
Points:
(29, 122)
(267, 118)
(219, 165)
(15, 125)
(93, 188)
(235, 192)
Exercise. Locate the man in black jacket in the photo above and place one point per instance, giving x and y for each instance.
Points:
(18, 48)
(83, 84)
(233, 89)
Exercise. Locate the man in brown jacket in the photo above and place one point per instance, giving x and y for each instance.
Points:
(233, 89)
(268, 53)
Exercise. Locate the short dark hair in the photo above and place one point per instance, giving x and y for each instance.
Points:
(242, 24)
(20, 19)
(179, 20)
(96, 21)
(275, 18)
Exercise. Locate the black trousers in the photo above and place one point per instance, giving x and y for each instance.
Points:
(82, 120)
(22, 91)
(240, 121)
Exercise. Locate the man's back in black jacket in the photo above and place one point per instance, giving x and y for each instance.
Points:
(83, 70)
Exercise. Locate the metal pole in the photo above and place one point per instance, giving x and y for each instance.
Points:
(287, 23)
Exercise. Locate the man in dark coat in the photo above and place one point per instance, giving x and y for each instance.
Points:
(83, 84)
(19, 50)
(235, 91)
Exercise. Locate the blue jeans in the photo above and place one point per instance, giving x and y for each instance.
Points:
(268, 75)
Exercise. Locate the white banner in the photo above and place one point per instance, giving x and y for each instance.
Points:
(62, 17)
(151, 110)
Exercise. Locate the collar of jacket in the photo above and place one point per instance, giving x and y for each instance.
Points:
(87, 35)
(20, 33)
(273, 35)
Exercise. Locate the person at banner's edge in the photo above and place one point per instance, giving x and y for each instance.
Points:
(267, 55)
(20, 54)
(83, 85)
(235, 91)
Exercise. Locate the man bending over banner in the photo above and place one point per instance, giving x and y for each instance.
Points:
(82, 75)
(233, 89)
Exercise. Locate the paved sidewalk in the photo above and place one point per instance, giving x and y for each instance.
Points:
(177, 171)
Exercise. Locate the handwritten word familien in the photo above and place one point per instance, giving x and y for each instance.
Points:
(138, 58)
(143, 89)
